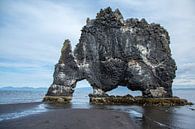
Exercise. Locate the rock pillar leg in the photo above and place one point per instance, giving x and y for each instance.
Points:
(65, 77)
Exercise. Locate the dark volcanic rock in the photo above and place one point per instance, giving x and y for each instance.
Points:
(66, 73)
(112, 52)
(130, 100)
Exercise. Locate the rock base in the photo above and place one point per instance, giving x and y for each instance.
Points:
(130, 100)
(57, 99)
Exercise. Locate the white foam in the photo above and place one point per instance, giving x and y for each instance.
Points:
(40, 108)
(135, 113)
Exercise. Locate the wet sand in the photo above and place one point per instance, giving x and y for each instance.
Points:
(66, 118)
(10, 108)
(81, 116)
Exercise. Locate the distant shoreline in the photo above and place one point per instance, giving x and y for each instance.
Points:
(175, 87)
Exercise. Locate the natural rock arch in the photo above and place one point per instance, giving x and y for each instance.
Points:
(113, 51)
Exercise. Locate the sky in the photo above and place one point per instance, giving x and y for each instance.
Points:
(32, 33)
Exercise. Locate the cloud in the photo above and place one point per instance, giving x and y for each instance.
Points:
(31, 78)
(38, 29)
(32, 33)
(185, 75)
(184, 82)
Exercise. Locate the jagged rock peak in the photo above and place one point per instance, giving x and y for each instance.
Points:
(107, 17)
(66, 51)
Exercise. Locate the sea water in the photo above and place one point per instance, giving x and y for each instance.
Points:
(146, 117)
(27, 95)
(11, 95)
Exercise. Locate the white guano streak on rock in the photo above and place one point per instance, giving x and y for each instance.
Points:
(158, 92)
(127, 48)
(98, 91)
(75, 60)
(85, 53)
(84, 64)
(138, 68)
(54, 91)
(144, 52)
(125, 29)
(61, 75)
(135, 65)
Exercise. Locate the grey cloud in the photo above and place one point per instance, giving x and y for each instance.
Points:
(33, 31)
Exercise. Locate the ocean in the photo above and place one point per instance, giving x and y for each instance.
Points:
(10, 95)
(146, 117)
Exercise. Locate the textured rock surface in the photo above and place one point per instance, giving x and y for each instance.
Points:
(112, 52)
(130, 100)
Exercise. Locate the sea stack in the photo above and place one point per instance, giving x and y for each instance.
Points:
(116, 52)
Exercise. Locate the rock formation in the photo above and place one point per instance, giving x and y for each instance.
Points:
(115, 52)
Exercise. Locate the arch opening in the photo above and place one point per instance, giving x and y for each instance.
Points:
(123, 90)
(81, 92)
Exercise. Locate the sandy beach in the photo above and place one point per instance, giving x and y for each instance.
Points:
(66, 118)
(10, 108)
(80, 114)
